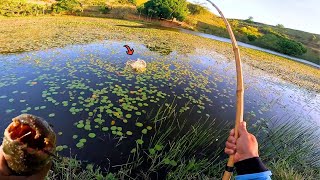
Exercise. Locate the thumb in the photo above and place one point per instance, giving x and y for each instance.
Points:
(242, 128)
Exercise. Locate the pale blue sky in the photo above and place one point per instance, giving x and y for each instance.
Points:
(294, 14)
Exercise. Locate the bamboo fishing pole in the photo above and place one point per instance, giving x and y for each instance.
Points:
(240, 91)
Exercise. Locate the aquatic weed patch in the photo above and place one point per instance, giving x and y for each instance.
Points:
(93, 100)
(33, 33)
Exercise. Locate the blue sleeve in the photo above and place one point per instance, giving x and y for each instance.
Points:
(255, 176)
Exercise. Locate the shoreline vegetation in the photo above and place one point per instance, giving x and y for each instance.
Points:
(20, 34)
(295, 143)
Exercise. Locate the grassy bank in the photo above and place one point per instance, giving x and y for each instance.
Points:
(21, 34)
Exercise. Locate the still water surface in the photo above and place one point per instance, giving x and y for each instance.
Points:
(82, 89)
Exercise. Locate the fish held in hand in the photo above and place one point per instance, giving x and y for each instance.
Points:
(28, 144)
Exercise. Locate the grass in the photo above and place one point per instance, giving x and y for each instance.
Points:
(35, 33)
(289, 149)
(177, 150)
(174, 152)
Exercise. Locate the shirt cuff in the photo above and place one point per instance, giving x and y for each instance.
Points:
(250, 166)
(261, 176)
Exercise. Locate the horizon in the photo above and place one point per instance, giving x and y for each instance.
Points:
(282, 12)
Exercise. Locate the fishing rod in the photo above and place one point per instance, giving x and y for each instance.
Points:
(240, 91)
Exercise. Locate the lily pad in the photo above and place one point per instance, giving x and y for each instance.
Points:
(119, 133)
(59, 148)
(80, 125)
(139, 124)
(87, 127)
(158, 147)
(134, 150)
(52, 115)
(80, 144)
(173, 163)
(139, 141)
(144, 131)
(128, 116)
(166, 161)
(152, 151)
(92, 135)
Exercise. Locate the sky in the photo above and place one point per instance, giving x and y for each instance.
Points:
(294, 14)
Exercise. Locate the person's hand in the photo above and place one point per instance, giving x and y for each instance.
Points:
(245, 147)
(5, 172)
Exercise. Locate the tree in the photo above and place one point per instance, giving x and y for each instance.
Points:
(71, 6)
(291, 47)
(280, 26)
(252, 37)
(196, 9)
(166, 9)
(250, 19)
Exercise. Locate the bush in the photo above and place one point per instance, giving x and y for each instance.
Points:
(249, 30)
(191, 21)
(196, 9)
(280, 26)
(67, 6)
(105, 9)
(20, 8)
(281, 44)
(133, 2)
(93, 2)
(166, 9)
(291, 47)
(249, 20)
(252, 37)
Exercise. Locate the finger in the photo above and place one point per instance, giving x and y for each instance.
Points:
(253, 138)
(242, 128)
(231, 139)
(230, 145)
(4, 169)
(229, 151)
(231, 132)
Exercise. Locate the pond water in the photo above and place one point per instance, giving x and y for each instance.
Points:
(99, 108)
